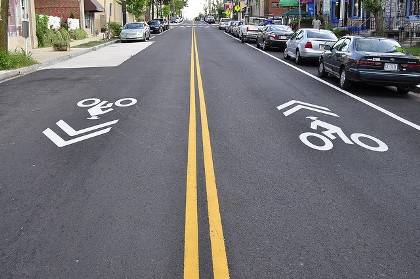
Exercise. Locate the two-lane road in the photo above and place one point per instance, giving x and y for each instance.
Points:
(207, 175)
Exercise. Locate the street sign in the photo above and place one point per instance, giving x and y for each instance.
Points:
(237, 8)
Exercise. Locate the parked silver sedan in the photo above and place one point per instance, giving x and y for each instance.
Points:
(135, 31)
(308, 43)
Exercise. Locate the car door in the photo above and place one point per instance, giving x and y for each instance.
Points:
(291, 46)
(299, 38)
(329, 55)
(338, 55)
(263, 33)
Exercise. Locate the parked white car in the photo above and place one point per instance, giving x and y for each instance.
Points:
(248, 32)
(223, 23)
(135, 31)
(308, 43)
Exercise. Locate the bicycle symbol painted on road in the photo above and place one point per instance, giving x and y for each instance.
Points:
(96, 108)
(329, 134)
(323, 140)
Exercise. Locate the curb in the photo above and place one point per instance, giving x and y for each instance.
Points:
(27, 70)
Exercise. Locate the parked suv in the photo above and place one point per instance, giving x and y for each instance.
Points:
(164, 23)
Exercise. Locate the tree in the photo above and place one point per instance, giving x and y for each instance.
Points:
(376, 7)
(166, 11)
(4, 24)
(135, 7)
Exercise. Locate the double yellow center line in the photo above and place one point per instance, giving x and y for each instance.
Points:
(191, 245)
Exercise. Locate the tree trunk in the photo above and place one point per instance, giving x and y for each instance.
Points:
(379, 22)
(4, 23)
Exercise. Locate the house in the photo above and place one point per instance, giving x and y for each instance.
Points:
(84, 10)
(112, 12)
(20, 11)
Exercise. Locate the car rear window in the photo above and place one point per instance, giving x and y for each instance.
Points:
(377, 45)
(328, 35)
(134, 26)
(281, 28)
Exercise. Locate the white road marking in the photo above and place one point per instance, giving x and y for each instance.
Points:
(390, 114)
(303, 105)
(109, 56)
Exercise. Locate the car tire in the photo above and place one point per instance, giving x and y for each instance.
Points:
(264, 46)
(344, 82)
(321, 69)
(403, 90)
(257, 44)
(285, 54)
(298, 58)
(242, 39)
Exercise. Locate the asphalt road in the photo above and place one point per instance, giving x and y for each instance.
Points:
(140, 200)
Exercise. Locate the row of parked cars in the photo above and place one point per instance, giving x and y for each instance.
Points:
(351, 59)
(140, 31)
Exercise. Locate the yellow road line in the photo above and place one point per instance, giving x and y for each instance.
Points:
(218, 249)
(191, 261)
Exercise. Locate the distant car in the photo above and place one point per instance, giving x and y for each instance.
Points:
(223, 23)
(273, 36)
(156, 26)
(210, 19)
(164, 23)
(371, 60)
(135, 31)
(236, 27)
(173, 19)
(308, 43)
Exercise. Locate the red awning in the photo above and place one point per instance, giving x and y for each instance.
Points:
(93, 6)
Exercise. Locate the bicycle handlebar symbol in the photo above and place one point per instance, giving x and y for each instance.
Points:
(332, 132)
(98, 107)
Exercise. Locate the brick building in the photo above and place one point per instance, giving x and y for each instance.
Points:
(60, 8)
(272, 8)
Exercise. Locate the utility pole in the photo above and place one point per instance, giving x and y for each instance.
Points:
(300, 16)
(4, 24)
(124, 11)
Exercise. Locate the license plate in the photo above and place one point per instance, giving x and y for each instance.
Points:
(283, 37)
(390, 67)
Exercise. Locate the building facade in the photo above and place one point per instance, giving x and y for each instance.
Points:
(20, 11)
(112, 12)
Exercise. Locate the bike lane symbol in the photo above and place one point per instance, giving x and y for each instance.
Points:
(96, 108)
(330, 132)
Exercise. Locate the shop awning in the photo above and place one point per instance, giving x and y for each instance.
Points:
(93, 6)
(289, 3)
(295, 12)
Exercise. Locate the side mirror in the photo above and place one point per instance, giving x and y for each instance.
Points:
(327, 47)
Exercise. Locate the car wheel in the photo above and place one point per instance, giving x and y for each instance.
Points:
(321, 69)
(285, 54)
(403, 90)
(257, 44)
(344, 82)
(264, 46)
(243, 39)
(298, 58)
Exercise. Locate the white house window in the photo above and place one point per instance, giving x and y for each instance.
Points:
(15, 17)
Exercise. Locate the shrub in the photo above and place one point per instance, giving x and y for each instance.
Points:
(115, 28)
(78, 34)
(65, 34)
(340, 32)
(41, 30)
(13, 60)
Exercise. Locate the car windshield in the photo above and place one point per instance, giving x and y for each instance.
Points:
(321, 34)
(377, 45)
(134, 26)
(154, 22)
(224, 20)
(281, 28)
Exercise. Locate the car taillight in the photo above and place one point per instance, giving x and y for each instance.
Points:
(273, 36)
(308, 45)
(368, 63)
(413, 67)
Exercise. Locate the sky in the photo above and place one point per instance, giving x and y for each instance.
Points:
(194, 8)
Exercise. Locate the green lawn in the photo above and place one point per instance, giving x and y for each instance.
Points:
(413, 50)
(91, 44)
(13, 60)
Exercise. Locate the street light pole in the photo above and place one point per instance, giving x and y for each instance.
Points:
(299, 15)
(124, 11)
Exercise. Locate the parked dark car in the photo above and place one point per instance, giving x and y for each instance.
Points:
(273, 36)
(164, 23)
(155, 26)
(372, 60)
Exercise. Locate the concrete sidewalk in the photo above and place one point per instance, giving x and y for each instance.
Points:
(47, 57)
